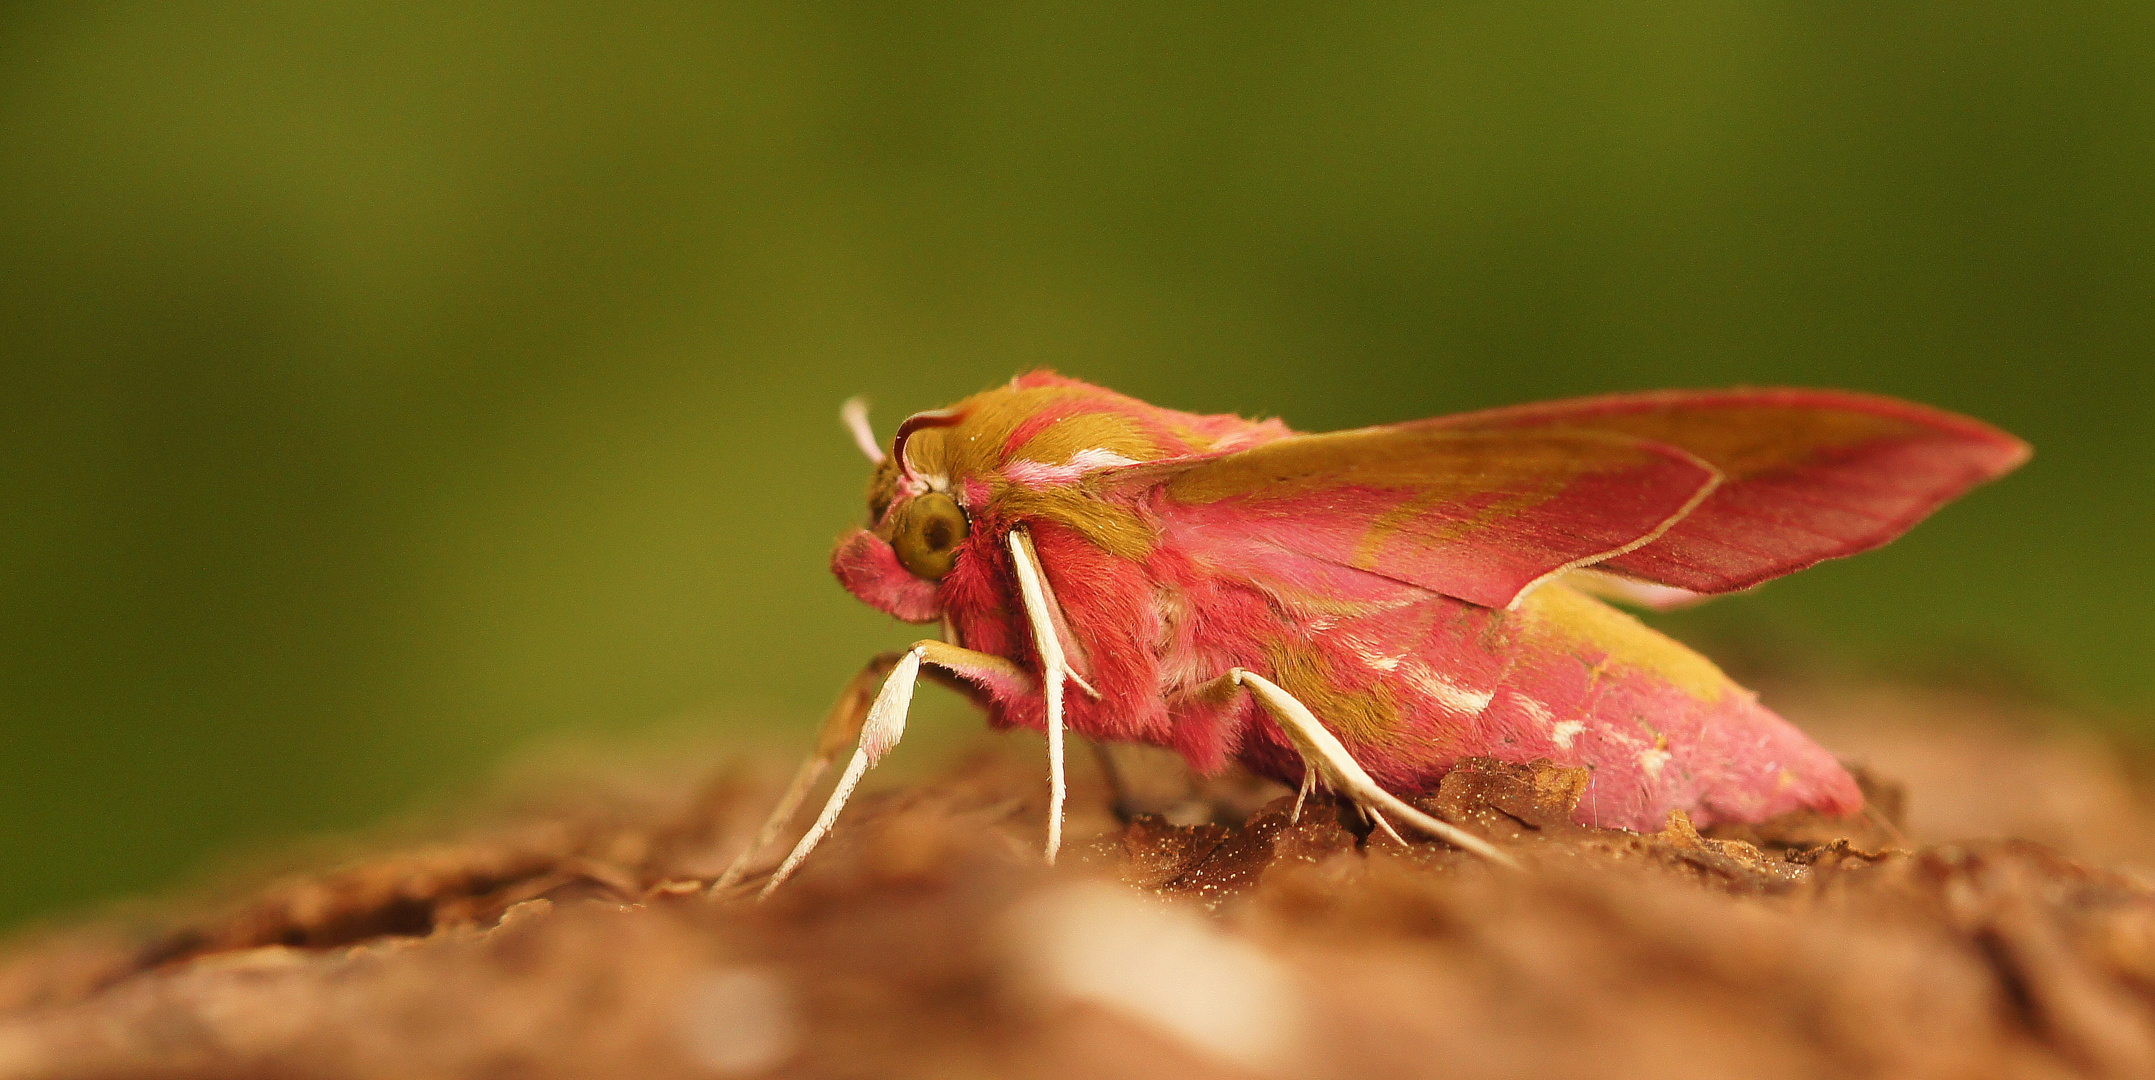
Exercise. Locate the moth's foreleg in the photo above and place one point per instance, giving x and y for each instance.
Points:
(840, 730)
(1038, 596)
(1325, 757)
(883, 724)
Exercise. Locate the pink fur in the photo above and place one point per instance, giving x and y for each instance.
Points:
(1231, 582)
(869, 569)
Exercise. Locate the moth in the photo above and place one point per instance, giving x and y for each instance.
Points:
(1359, 610)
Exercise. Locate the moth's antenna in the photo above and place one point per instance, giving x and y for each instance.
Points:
(854, 414)
(930, 419)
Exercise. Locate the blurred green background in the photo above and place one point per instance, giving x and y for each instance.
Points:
(390, 386)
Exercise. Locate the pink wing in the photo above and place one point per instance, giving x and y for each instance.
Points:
(1479, 515)
(1698, 491)
(1809, 474)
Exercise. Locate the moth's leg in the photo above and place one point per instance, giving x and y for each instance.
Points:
(1118, 789)
(884, 725)
(1327, 760)
(1054, 670)
(840, 729)
(1058, 620)
(1301, 795)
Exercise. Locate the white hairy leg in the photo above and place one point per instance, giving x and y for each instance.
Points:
(884, 725)
(882, 730)
(1301, 795)
(840, 729)
(1325, 757)
(1055, 668)
(1073, 650)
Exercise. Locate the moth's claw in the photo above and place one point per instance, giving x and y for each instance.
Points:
(1373, 815)
(1301, 795)
(1081, 683)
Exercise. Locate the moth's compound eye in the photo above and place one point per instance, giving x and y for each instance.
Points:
(927, 532)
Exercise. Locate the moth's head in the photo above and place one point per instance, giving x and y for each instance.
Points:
(954, 480)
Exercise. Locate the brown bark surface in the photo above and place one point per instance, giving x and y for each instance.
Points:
(1997, 927)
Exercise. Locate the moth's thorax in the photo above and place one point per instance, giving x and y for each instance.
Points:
(1041, 449)
(1042, 430)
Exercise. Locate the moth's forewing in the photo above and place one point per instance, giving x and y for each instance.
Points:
(1478, 515)
(1810, 474)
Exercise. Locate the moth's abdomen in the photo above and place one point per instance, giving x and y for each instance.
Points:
(1415, 687)
(1660, 726)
